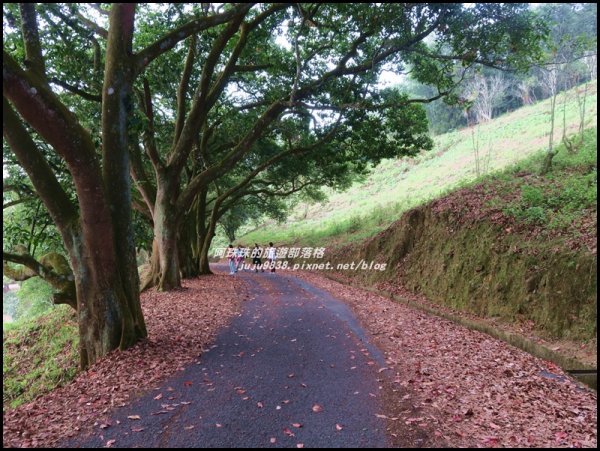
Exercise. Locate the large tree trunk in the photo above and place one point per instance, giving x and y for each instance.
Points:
(208, 237)
(201, 238)
(188, 260)
(106, 321)
(152, 277)
(166, 226)
(119, 290)
(166, 237)
(204, 266)
(110, 315)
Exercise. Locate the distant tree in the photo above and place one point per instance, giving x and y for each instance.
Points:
(486, 94)
(525, 90)
(550, 82)
(573, 38)
(591, 62)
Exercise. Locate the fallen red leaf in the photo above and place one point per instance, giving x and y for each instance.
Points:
(560, 436)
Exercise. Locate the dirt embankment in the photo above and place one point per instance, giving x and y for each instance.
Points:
(537, 287)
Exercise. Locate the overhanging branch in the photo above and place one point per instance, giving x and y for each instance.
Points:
(52, 267)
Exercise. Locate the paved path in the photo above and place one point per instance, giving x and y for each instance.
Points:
(294, 347)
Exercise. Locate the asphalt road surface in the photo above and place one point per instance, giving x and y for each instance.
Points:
(293, 370)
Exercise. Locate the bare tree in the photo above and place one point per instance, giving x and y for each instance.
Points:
(524, 90)
(482, 156)
(486, 94)
(591, 63)
(550, 85)
(574, 143)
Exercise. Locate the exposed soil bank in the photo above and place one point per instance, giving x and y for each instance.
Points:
(536, 285)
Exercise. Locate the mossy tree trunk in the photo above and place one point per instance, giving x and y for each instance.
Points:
(203, 264)
(97, 232)
(166, 224)
(188, 255)
(202, 234)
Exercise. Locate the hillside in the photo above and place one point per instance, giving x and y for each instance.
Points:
(395, 186)
(512, 250)
(516, 246)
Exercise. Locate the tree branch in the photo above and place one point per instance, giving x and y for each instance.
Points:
(201, 105)
(167, 42)
(266, 164)
(149, 138)
(206, 99)
(183, 87)
(76, 90)
(53, 268)
(341, 68)
(232, 157)
(37, 104)
(368, 106)
(139, 176)
(31, 38)
(33, 162)
(17, 202)
(93, 26)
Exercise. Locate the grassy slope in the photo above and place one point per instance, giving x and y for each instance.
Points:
(561, 204)
(515, 247)
(398, 185)
(38, 355)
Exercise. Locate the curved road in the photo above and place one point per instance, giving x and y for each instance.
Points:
(294, 369)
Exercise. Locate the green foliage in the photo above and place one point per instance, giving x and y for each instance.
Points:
(29, 224)
(396, 185)
(532, 196)
(35, 298)
(561, 198)
(38, 355)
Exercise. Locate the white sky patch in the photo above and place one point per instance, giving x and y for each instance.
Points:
(282, 41)
(389, 78)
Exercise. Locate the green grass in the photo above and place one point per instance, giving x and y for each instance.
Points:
(38, 355)
(559, 199)
(395, 186)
